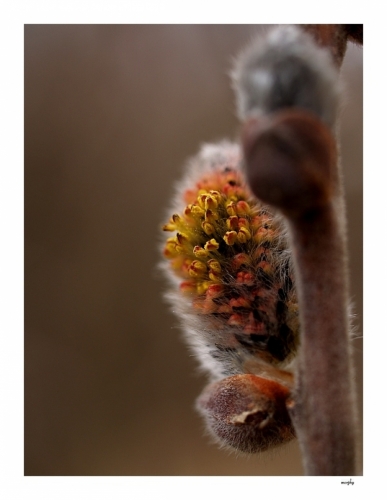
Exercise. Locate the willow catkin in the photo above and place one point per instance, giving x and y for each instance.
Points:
(231, 284)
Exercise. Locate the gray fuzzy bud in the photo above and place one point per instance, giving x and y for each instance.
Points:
(285, 70)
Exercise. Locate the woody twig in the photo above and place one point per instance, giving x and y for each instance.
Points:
(292, 164)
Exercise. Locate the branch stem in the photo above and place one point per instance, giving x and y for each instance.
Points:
(323, 411)
(291, 163)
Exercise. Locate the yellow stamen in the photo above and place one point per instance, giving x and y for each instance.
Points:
(211, 216)
(211, 245)
(230, 237)
(211, 202)
(243, 235)
(216, 195)
(196, 210)
(232, 222)
(208, 228)
(202, 200)
(170, 247)
(214, 277)
(182, 238)
(231, 208)
(214, 265)
(169, 227)
(202, 287)
(197, 269)
(188, 211)
(200, 251)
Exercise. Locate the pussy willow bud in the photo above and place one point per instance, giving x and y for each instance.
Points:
(236, 243)
(247, 413)
(286, 70)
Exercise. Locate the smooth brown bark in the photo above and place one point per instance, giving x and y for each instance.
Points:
(323, 410)
(291, 163)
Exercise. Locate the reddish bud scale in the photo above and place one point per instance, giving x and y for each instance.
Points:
(247, 413)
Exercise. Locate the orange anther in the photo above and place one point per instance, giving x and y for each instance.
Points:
(188, 287)
(214, 291)
(245, 278)
(240, 302)
(239, 260)
(242, 208)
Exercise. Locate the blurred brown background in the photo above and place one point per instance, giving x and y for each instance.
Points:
(111, 114)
